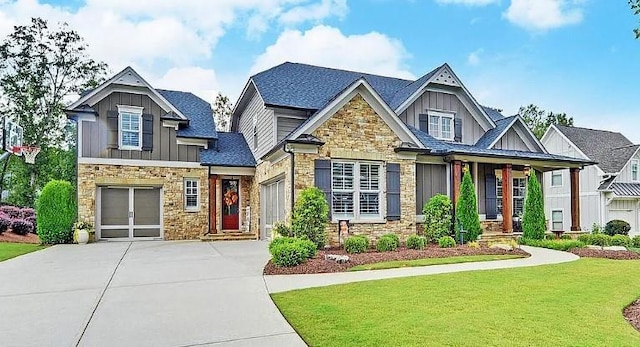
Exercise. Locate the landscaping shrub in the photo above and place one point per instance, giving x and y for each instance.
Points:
(387, 243)
(27, 212)
(534, 222)
(635, 242)
(33, 220)
(278, 241)
(549, 236)
(21, 227)
(620, 240)
(416, 242)
(596, 228)
(356, 244)
(310, 216)
(566, 237)
(617, 227)
(394, 237)
(437, 217)
(291, 251)
(586, 238)
(12, 211)
(282, 229)
(309, 247)
(600, 240)
(473, 244)
(56, 212)
(558, 245)
(446, 242)
(467, 210)
(5, 222)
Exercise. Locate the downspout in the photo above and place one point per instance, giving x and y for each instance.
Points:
(293, 169)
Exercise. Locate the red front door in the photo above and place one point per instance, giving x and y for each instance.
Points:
(230, 204)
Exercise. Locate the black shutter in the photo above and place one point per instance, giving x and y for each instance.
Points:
(322, 178)
(147, 132)
(457, 127)
(491, 200)
(112, 129)
(424, 123)
(393, 191)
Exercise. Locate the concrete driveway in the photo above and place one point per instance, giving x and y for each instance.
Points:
(141, 294)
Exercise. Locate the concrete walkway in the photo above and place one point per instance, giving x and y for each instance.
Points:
(539, 256)
(141, 294)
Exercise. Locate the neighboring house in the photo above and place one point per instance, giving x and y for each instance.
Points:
(609, 190)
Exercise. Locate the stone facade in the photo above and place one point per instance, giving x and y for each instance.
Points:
(178, 224)
(266, 172)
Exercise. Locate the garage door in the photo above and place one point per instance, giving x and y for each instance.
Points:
(129, 213)
(272, 202)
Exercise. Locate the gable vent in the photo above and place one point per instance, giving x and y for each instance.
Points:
(130, 79)
(445, 77)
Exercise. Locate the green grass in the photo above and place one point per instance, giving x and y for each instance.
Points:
(12, 250)
(572, 304)
(432, 261)
(637, 250)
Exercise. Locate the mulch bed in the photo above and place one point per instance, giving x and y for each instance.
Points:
(599, 253)
(320, 265)
(632, 314)
(8, 236)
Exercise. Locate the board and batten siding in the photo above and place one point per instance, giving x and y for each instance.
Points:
(431, 179)
(264, 123)
(625, 173)
(165, 146)
(444, 102)
(511, 140)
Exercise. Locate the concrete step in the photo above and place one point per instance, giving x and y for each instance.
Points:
(232, 236)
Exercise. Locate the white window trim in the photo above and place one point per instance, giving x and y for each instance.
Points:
(635, 162)
(382, 185)
(135, 110)
(513, 197)
(441, 115)
(559, 172)
(561, 221)
(192, 208)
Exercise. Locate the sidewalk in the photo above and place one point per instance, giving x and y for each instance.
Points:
(539, 256)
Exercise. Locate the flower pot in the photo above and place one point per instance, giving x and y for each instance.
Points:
(82, 236)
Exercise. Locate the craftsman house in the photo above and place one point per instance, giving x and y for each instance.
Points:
(609, 190)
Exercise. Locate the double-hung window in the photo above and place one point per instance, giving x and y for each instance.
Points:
(634, 170)
(130, 127)
(557, 220)
(191, 194)
(556, 178)
(356, 189)
(441, 125)
(519, 193)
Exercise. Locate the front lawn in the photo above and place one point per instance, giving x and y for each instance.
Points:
(572, 304)
(12, 250)
(433, 261)
(637, 250)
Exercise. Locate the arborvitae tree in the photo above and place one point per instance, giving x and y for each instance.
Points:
(534, 223)
(467, 210)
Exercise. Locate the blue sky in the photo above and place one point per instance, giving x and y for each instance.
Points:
(573, 56)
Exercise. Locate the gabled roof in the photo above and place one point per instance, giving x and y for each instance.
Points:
(492, 135)
(611, 150)
(405, 93)
(198, 111)
(494, 114)
(232, 150)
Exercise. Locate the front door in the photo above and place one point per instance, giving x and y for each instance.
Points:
(230, 204)
(129, 213)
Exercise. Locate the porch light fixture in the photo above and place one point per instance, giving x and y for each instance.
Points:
(343, 228)
(527, 171)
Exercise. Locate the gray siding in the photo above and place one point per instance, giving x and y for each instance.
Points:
(431, 179)
(625, 173)
(438, 101)
(165, 146)
(287, 121)
(511, 140)
(265, 126)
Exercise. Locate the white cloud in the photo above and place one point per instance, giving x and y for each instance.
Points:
(327, 46)
(315, 12)
(474, 57)
(541, 15)
(468, 2)
(201, 82)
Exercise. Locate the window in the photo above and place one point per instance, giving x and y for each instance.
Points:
(441, 125)
(557, 220)
(634, 170)
(556, 178)
(519, 193)
(130, 127)
(356, 190)
(255, 131)
(191, 194)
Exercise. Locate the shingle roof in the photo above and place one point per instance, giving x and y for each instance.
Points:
(626, 189)
(233, 150)
(494, 114)
(198, 111)
(610, 149)
(404, 93)
(501, 125)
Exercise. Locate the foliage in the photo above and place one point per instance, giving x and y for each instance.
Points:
(291, 251)
(446, 242)
(617, 227)
(549, 237)
(636, 241)
(5, 222)
(83, 225)
(282, 229)
(586, 238)
(600, 240)
(387, 243)
(222, 109)
(416, 242)
(539, 120)
(310, 216)
(558, 244)
(27, 212)
(56, 212)
(33, 220)
(534, 223)
(21, 227)
(467, 210)
(596, 228)
(620, 240)
(356, 244)
(473, 244)
(566, 237)
(437, 217)
(11, 211)
(635, 7)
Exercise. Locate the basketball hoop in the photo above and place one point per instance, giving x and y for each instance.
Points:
(29, 152)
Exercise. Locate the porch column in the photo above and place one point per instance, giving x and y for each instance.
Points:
(574, 174)
(507, 199)
(213, 224)
(457, 178)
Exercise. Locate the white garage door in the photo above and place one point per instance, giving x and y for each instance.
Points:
(129, 213)
(272, 202)
(627, 215)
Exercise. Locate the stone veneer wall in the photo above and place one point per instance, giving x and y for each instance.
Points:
(178, 224)
(266, 172)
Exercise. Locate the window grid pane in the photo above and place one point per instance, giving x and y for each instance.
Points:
(556, 178)
(446, 128)
(434, 126)
(191, 193)
(370, 203)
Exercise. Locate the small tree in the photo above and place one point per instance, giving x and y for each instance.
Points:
(222, 109)
(310, 216)
(56, 212)
(437, 217)
(534, 223)
(467, 210)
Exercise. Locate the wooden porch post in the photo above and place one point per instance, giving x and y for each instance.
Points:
(507, 199)
(213, 223)
(574, 174)
(457, 178)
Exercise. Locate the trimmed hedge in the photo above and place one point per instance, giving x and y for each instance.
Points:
(27, 212)
(446, 242)
(21, 227)
(291, 251)
(5, 222)
(558, 244)
(600, 240)
(620, 240)
(388, 242)
(356, 244)
(438, 213)
(56, 209)
(416, 242)
(636, 241)
(617, 227)
(310, 216)
(13, 212)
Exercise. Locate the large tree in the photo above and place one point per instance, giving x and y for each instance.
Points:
(635, 7)
(40, 67)
(222, 109)
(539, 120)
